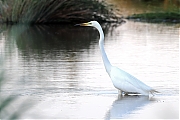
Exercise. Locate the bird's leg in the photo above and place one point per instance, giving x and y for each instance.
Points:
(119, 92)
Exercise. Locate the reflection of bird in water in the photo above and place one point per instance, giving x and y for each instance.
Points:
(125, 105)
(121, 80)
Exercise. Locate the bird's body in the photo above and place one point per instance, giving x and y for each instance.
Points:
(128, 83)
(121, 80)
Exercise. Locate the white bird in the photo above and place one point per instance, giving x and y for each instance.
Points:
(121, 80)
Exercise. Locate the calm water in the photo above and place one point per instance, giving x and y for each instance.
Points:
(57, 71)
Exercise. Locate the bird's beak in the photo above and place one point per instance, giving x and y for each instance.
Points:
(82, 24)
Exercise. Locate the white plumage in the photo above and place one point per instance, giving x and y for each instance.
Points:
(128, 83)
(121, 80)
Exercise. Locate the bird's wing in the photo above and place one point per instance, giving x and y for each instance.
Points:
(126, 81)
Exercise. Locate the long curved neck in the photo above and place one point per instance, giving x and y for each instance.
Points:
(106, 62)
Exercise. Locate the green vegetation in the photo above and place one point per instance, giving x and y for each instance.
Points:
(168, 12)
(157, 17)
(55, 11)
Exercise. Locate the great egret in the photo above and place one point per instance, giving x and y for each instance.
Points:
(121, 80)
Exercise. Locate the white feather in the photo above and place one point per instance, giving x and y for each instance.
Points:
(128, 83)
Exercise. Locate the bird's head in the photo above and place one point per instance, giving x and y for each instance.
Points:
(91, 23)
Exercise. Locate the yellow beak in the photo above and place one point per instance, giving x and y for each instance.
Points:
(82, 24)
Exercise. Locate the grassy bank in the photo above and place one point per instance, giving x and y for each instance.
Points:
(55, 11)
(168, 11)
(170, 17)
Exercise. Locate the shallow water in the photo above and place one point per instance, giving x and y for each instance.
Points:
(57, 71)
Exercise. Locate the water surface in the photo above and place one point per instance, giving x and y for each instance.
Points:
(56, 71)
